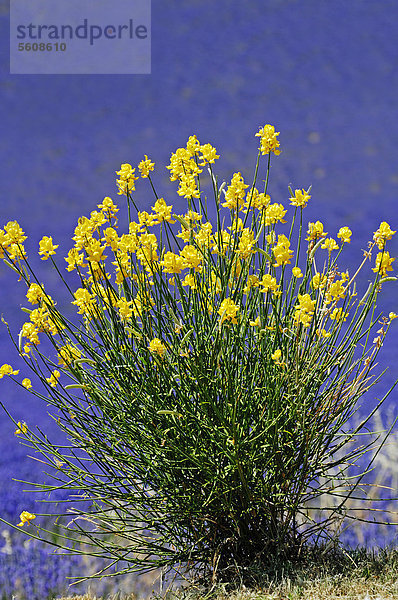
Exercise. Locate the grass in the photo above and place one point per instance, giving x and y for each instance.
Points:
(357, 574)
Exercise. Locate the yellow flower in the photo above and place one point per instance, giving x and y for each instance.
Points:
(228, 310)
(268, 140)
(282, 251)
(22, 428)
(108, 207)
(329, 244)
(145, 167)
(162, 210)
(27, 383)
(192, 258)
(315, 231)
(53, 379)
(252, 281)
(300, 198)
(26, 517)
(296, 272)
(318, 281)
(274, 213)
(85, 301)
(157, 347)
(383, 234)
(127, 178)
(255, 323)
(172, 263)
(256, 200)
(276, 356)
(234, 196)
(190, 280)
(46, 247)
(14, 233)
(345, 234)
(7, 370)
(335, 291)
(383, 263)
(338, 315)
(67, 354)
(323, 333)
(269, 283)
(209, 154)
(392, 316)
(30, 331)
(304, 310)
(34, 293)
(125, 310)
(74, 259)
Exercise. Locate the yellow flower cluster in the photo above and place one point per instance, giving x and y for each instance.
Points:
(7, 370)
(11, 241)
(268, 140)
(185, 166)
(26, 517)
(127, 179)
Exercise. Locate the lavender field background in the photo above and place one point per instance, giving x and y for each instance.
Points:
(325, 73)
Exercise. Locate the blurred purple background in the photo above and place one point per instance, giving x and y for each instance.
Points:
(324, 73)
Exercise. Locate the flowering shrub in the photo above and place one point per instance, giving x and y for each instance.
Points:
(207, 385)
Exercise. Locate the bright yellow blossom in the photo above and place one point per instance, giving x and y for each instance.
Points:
(304, 310)
(392, 316)
(276, 357)
(383, 234)
(67, 354)
(191, 281)
(383, 263)
(344, 235)
(22, 428)
(85, 301)
(315, 231)
(163, 211)
(27, 383)
(26, 517)
(172, 263)
(53, 379)
(46, 247)
(125, 309)
(268, 283)
(274, 213)
(234, 196)
(296, 272)
(7, 370)
(300, 198)
(74, 259)
(209, 154)
(338, 315)
(282, 251)
(145, 167)
(157, 347)
(192, 258)
(228, 310)
(335, 291)
(255, 323)
(34, 293)
(14, 233)
(319, 280)
(127, 178)
(268, 140)
(107, 206)
(329, 244)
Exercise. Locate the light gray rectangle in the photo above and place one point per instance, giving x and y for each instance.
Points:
(80, 37)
